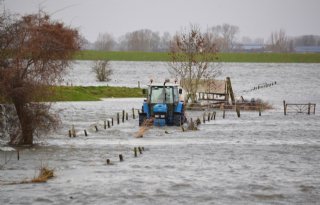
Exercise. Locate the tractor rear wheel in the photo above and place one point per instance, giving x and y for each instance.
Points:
(178, 119)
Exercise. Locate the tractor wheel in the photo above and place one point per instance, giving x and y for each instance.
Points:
(142, 118)
(178, 119)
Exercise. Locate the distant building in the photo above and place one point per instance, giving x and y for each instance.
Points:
(307, 49)
(250, 47)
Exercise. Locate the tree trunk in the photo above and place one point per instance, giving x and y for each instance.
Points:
(25, 121)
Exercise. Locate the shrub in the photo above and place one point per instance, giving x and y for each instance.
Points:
(102, 70)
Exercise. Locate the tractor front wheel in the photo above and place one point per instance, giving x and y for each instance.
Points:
(142, 118)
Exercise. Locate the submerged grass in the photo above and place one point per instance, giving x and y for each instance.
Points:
(93, 93)
(223, 57)
(44, 174)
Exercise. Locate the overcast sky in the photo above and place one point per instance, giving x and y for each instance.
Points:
(255, 18)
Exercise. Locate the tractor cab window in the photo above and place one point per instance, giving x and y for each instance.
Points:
(175, 94)
(160, 94)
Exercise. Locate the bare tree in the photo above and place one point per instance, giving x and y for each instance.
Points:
(279, 42)
(165, 42)
(192, 60)
(34, 53)
(140, 40)
(224, 36)
(102, 70)
(105, 42)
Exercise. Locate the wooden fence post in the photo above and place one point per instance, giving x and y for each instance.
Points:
(120, 157)
(260, 110)
(133, 115)
(135, 152)
(284, 107)
(238, 110)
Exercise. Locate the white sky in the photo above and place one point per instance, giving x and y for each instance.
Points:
(255, 18)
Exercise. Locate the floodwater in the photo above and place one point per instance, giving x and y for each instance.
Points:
(268, 159)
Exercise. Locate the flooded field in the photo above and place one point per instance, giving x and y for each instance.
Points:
(268, 159)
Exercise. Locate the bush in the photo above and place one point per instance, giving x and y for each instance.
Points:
(102, 70)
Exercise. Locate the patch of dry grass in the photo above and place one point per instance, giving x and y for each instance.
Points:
(144, 127)
(44, 174)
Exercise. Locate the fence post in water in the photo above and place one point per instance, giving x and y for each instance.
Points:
(108, 124)
(214, 115)
(284, 107)
(135, 152)
(204, 118)
(112, 121)
(133, 115)
(127, 116)
(138, 84)
(123, 113)
(96, 128)
(118, 118)
(140, 150)
(85, 133)
(105, 124)
(238, 110)
(18, 154)
(260, 110)
(108, 161)
(209, 117)
(224, 113)
(70, 135)
(309, 107)
(120, 157)
(73, 131)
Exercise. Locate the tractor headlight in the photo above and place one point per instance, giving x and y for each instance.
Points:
(163, 116)
(156, 116)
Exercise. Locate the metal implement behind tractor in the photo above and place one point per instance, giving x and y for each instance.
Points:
(162, 105)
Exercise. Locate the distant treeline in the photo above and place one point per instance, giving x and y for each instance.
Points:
(224, 36)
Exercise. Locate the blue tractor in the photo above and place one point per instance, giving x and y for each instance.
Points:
(162, 105)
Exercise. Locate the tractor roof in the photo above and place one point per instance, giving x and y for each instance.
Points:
(161, 85)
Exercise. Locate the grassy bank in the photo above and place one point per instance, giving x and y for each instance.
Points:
(224, 57)
(93, 93)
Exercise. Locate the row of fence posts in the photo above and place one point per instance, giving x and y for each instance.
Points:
(136, 150)
(212, 116)
(106, 123)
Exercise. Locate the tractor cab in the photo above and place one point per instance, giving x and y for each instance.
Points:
(162, 105)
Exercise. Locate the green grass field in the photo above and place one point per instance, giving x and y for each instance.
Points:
(224, 57)
(93, 93)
